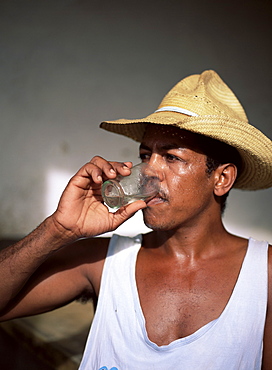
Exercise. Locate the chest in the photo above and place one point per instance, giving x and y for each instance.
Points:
(178, 298)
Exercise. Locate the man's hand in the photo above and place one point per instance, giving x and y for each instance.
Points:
(81, 212)
(29, 287)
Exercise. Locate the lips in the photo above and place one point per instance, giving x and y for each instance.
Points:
(156, 200)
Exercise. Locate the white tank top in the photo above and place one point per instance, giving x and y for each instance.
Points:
(118, 339)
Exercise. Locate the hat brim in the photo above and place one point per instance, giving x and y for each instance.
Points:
(254, 147)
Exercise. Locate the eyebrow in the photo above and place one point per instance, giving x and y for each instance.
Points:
(163, 147)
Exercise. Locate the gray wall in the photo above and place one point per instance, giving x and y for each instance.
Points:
(67, 65)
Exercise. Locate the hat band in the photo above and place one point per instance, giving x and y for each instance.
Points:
(177, 109)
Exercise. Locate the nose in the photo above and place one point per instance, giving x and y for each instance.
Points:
(155, 167)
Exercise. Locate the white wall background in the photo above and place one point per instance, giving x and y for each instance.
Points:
(68, 65)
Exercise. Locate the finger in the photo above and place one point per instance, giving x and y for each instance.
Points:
(104, 167)
(87, 174)
(111, 169)
(124, 213)
(128, 164)
(122, 168)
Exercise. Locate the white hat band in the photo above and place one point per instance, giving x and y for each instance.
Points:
(177, 109)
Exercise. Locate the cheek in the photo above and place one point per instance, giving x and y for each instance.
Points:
(189, 179)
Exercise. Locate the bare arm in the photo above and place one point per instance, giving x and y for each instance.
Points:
(70, 273)
(24, 272)
(267, 353)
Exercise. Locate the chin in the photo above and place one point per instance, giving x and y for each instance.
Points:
(157, 223)
(152, 224)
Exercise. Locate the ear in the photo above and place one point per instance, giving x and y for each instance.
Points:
(224, 177)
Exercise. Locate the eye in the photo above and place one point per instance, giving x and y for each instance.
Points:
(144, 156)
(171, 158)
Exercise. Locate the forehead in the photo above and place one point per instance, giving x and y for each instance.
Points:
(162, 135)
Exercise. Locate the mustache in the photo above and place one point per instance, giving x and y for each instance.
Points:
(163, 194)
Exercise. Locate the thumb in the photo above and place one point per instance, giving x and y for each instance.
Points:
(124, 213)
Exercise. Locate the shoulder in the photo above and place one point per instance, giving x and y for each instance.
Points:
(83, 251)
(270, 254)
(270, 276)
(86, 256)
(267, 354)
(93, 253)
(270, 269)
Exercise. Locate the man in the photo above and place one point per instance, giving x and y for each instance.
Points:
(188, 295)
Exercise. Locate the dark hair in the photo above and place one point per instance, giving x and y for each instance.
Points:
(218, 153)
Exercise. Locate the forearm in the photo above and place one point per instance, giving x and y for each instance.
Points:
(80, 214)
(19, 261)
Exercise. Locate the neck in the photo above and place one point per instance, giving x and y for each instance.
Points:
(191, 241)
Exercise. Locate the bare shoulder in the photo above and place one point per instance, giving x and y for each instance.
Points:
(267, 343)
(83, 251)
(270, 256)
(270, 281)
(270, 273)
(90, 252)
(93, 248)
(87, 256)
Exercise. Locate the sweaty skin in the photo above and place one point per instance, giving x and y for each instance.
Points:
(186, 268)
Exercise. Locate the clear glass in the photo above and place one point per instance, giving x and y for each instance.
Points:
(141, 184)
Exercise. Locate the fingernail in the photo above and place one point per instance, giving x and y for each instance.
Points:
(99, 178)
(112, 171)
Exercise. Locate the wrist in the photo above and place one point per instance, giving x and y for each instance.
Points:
(60, 235)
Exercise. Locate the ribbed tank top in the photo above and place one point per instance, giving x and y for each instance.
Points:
(118, 339)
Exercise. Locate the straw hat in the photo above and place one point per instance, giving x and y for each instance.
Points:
(204, 104)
